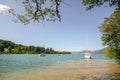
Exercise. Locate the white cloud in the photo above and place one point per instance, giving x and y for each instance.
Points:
(4, 9)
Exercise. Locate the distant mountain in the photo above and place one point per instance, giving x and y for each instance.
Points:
(100, 51)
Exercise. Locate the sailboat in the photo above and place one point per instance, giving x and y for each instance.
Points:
(87, 55)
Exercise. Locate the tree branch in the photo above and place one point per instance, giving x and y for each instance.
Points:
(37, 9)
(57, 9)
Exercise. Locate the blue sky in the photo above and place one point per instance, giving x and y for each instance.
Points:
(77, 31)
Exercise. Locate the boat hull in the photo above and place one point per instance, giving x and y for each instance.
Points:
(87, 56)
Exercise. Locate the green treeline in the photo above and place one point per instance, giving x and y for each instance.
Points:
(10, 47)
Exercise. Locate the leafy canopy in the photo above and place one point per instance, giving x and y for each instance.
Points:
(111, 34)
(110, 28)
(97, 3)
(39, 10)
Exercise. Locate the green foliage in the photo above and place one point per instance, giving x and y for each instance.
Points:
(10, 47)
(97, 3)
(5, 50)
(111, 34)
(1, 47)
(49, 10)
(109, 52)
(50, 51)
(113, 52)
(111, 30)
(39, 10)
(15, 51)
(64, 52)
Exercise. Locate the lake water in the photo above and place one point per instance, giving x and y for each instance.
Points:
(12, 65)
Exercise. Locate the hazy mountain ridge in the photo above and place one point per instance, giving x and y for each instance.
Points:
(100, 51)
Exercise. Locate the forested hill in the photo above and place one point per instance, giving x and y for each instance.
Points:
(11, 47)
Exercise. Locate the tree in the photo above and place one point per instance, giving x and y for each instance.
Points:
(38, 10)
(42, 49)
(37, 50)
(6, 50)
(19, 48)
(97, 3)
(111, 34)
(1, 48)
(31, 48)
(9, 49)
(15, 51)
(110, 28)
(47, 51)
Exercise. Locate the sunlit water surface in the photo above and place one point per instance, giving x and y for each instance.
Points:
(34, 67)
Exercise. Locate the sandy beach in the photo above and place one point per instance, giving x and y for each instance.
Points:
(72, 70)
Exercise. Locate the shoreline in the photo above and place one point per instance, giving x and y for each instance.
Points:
(72, 70)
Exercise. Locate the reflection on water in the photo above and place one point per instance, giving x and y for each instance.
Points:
(52, 67)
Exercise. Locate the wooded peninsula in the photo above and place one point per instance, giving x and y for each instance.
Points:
(8, 47)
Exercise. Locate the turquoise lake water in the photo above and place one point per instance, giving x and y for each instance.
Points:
(10, 63)
(13, 62)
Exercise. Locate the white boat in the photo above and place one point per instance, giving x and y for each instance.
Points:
(87, 56)
(41, 54)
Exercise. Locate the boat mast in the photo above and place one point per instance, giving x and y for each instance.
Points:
(86, 40)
